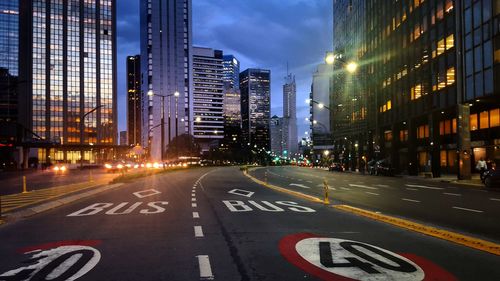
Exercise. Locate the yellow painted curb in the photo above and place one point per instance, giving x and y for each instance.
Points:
(471, 242)
(281, 189)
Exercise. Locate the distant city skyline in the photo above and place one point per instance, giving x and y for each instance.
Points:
(275, 28)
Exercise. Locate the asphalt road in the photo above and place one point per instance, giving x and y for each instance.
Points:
(216, 224)
(470, 210)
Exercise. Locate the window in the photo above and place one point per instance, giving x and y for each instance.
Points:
(423, 132)
(403, 135)
(388, 136)
(473, 122)
(450, 76)
(483, 120)
(494, 117)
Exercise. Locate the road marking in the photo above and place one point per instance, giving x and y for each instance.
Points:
(452, 194)
(466, 209)
(205, 268)
(424, 186)
(299, 185)
(198, 231)
(412, 189)
(495, 199)
(193, 205)
(363, 186)
(196, 215)
(146, 193)
(193, 194)
(332, 188)
(309, 181)
(382, 185)
(345, 188)
(241, 192)
(372, 193)
(410, 200)
(193, 199)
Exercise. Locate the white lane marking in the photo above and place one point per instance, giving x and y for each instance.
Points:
(241, 192)
(146, 193)
(495, 199)
(196, 215)
(412, 189)
(363, 186)
(466, 209)
(372, 193)
(194, 205)
(424, 186)
(198, 231)
(345, 188)
(452, 194)
(332, 188)
(193, 199)
(410, 200)
(309, 181)
(299, 185)
(205, 268)
(193, 194)
(382, 185)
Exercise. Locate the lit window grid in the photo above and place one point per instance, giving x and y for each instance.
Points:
(9, 35)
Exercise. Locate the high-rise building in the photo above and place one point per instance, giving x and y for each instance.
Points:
(321, 133)
(256, 107)
(232, 118)
(68, 75)
(166, 62)
(290, 116)
(9, 57)
(208, 97)
(231, 72)
(123, 138)
(277, 142)
(134, 113)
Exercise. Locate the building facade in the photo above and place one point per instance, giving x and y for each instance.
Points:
(428, 72)
(123, 138)
(232, 118)
(256, 107)
(68, 72)
(231, 72)
(290, 116)
(134, 113)
(208, 97)
(166, 62)
(277, 141)
(319, 118)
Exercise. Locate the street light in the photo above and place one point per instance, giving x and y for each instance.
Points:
(82, 129)
(351, 67)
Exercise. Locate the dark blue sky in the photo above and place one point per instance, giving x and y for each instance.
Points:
(260, 33)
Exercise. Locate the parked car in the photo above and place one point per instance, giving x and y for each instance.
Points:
(338, 167)
(491, 178)
(383, 167)
(116, 166)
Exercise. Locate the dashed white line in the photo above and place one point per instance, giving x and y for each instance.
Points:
(309, 181)
(495, 199)
(345, 188)
(363, 186)
(424, 186)
(467, 209)
(198, 231)
(205, 268)
(410, 200)
(194, 205)
(193, 199)
(372, 193)
(452, 194)
(196, 215)
(382, 185)
(412, 189)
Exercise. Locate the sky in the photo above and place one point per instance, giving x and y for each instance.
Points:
(260, 33)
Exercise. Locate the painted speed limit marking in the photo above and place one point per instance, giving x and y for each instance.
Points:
(61, 261)
(340, 259)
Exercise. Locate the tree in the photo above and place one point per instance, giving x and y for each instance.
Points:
(183, 145)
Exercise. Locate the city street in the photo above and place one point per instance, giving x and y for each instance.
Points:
(217, 224)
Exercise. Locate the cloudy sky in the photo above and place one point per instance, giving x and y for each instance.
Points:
(260, 33)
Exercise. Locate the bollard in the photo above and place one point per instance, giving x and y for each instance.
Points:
(325, 186)
(24, 185)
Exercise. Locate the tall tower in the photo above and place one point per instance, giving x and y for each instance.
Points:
(256, 107)
(166, 62)
(290, 116)
(134, 114)
(68, 72)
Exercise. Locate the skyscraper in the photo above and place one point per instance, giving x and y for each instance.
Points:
(68, 75)
(231, 72)
(208, 97)
(9, 56)
(134, 113)
(276, 132)
(256, 107)
(166, 62)
(290, 116)
(320, 93)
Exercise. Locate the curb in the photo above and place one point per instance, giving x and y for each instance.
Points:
(461, 239)
(31, 211)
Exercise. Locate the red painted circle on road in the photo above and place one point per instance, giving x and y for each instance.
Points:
(289, 249)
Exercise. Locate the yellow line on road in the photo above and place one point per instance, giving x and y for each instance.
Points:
(471, 242)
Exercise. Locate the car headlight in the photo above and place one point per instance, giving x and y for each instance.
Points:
(63, 168)
(119, 166)
(56, 168)
(108, 166)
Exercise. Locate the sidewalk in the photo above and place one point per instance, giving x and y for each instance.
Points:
(475, 181)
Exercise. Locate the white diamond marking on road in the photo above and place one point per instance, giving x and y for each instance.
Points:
(146, 193)
(241, 192)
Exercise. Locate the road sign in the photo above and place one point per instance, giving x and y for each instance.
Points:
(335, 259)
(64, 260)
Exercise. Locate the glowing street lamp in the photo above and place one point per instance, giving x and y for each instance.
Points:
(351, 67)
(330, 58)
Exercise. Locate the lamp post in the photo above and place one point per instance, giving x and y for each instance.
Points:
(82, 129)
(162, 123)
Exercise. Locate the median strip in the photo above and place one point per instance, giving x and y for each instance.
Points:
(468, 241)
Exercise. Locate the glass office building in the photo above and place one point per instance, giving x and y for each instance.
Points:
(134, 98)
(68, 55)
